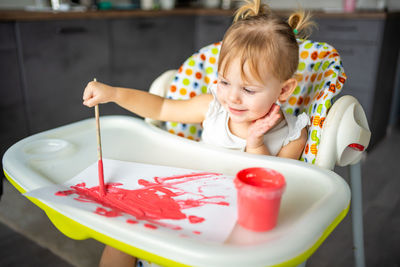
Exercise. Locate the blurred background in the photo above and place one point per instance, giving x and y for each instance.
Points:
(50, 50)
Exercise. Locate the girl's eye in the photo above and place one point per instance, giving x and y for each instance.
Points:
(223, 82)
(248, 91)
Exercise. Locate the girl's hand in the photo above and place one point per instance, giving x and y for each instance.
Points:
(258, 128)
(98, 93)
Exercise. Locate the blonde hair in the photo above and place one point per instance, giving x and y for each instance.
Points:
(264, 40)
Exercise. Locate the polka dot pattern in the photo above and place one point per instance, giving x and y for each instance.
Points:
(192, 79)
(320, 77)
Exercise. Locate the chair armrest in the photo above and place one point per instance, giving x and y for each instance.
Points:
(160, 87)
(345, 134)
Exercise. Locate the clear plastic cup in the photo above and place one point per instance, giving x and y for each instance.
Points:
(259, 192)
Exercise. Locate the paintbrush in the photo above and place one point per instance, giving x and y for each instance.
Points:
(102, 189)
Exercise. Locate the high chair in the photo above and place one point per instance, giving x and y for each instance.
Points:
(335, 138)
(315, 201)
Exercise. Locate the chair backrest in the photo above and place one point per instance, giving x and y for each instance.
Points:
(320, 78)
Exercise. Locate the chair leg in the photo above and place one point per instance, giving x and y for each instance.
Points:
(357, 214)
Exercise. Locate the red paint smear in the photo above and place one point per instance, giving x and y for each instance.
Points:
(167, 225)
(65, 193)
(107, 213)
(196, 232)
(155, 201)
(195, 219)
(150, 226)
(101, 177)
(132, 221)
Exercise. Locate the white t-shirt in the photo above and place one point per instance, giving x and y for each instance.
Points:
(216, 129)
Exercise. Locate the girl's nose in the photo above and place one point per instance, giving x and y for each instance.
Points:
(234, 96)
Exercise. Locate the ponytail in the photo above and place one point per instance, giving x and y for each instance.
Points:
(301, 24)
(251, 8)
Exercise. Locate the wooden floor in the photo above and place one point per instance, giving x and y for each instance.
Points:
(381, 210)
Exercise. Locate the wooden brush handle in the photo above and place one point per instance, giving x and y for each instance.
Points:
(97, 114)
(96, 110)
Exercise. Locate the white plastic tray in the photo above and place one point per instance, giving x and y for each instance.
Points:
(315, 200)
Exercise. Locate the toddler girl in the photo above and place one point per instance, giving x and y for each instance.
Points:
(258, 58)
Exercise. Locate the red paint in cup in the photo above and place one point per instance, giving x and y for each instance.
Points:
(259, 192)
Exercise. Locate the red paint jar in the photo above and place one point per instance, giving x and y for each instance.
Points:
(259, 192)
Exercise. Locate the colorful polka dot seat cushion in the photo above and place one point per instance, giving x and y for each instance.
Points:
(320, 78)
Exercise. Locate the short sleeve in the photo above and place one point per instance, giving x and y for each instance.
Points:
(296, 125)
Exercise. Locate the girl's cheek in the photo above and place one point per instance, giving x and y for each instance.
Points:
(220, 95)
(221, 89)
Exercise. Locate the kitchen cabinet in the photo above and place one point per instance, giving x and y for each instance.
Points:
(358, 43)
(145, 47)
(210, 29)
(59, 58)
(13, 119)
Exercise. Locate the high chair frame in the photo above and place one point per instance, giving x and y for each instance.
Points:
(345, 135)
(317, 206)
(316, 199)
(314, 203)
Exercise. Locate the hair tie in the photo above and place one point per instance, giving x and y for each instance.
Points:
(295, 31)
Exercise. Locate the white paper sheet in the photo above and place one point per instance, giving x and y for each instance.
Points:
(186, 202)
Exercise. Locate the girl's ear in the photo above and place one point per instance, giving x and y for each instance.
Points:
(287, 89)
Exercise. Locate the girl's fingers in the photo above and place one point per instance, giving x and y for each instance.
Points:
(92, 95)
(275, 115)
(263, 125)
(275, 109)
(88, 92)
(89, 102)
(267, 122)
(89, 98)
